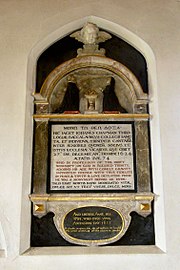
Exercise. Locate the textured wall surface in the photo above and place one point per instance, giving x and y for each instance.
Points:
(23, 25)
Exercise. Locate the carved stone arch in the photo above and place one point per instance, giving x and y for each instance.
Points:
(127, 87)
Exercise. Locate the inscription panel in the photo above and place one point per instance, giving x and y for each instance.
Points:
(93, 223)
(90, 157)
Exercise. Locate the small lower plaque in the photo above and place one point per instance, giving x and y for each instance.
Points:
(93, 223)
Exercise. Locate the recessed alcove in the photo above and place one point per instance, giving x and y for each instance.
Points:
(117, 49)
(141, 74)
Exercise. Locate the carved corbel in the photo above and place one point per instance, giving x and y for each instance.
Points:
(41, 104)
(140, 106)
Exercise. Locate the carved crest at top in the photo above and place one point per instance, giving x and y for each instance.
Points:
(91, 36)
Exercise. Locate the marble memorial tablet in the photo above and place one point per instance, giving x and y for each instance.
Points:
(92, 157)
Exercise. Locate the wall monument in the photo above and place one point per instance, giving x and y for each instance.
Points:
(91, 165)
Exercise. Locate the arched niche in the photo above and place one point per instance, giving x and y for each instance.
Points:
(91, 72)
(127, 35)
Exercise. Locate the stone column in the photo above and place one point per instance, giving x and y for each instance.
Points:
(40, 164)
(143, 168)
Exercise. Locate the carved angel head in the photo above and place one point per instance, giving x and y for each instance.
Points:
(90, 34)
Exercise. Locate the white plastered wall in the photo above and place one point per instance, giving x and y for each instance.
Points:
(35, 25)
